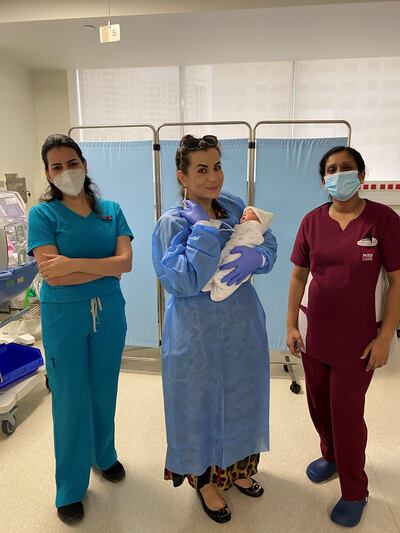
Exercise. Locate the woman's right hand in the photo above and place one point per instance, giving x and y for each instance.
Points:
(295, 342)
(193, 212)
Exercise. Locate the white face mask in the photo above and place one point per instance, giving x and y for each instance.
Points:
(70, 182)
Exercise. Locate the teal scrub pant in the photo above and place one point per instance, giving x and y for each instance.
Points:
(83, 343)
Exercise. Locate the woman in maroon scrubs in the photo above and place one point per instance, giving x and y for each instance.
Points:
(338, 254)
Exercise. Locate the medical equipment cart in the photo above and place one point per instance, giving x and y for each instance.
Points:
(12, 394)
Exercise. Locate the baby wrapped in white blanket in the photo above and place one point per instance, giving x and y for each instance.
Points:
(250, 232)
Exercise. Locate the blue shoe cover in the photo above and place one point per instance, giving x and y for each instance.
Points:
(348, 514)
(320, 470)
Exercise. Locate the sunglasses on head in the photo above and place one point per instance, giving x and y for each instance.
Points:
(194, 143)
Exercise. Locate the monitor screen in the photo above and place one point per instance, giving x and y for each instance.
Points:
(11, 208)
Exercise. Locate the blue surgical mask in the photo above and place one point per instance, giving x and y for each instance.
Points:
(342, 185)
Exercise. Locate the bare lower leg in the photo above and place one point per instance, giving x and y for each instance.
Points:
(212, 497)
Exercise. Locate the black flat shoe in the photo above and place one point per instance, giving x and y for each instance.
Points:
(115, 473)
(221, 516)
(255, 491)
(71, 513)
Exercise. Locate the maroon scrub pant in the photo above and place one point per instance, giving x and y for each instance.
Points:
(336, 399)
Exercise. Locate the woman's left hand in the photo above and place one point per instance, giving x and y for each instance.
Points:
(193, 212)
(56, 266)
(378, 352)
(249, 261)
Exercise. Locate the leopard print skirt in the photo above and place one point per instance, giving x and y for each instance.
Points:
(224, 479)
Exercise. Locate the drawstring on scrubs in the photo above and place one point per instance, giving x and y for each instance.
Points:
(95, 307)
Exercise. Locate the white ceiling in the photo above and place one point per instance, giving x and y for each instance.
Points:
(286, 33)
(28, 10)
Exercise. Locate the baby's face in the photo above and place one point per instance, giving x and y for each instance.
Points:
(249, 215)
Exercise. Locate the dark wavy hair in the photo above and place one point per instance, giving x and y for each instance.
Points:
(182, 156)
(354, 154)
(59, 140)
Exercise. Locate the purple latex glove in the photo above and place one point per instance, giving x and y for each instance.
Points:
(193, 212)
(245, 265)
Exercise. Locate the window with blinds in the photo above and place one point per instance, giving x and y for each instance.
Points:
(126, 96)
(365, 92)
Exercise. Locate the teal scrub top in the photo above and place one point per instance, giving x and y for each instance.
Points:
(75, 236)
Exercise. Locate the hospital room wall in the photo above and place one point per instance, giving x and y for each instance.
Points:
(32, 106)
(52, 111)
(18, 133)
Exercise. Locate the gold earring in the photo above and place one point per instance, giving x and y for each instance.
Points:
(184, 194)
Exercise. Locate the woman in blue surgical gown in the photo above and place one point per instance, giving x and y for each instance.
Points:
(214, 354)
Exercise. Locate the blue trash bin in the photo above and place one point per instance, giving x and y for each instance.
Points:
(17, 361)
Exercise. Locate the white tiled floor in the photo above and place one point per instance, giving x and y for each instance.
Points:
(145, 503)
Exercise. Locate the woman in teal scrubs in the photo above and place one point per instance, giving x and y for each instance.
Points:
(82, 245)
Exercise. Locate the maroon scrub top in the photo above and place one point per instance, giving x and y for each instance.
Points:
(341, 297)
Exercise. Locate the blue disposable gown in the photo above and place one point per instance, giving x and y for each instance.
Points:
(215, 360)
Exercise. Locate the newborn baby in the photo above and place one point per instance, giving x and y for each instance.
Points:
(250, 232)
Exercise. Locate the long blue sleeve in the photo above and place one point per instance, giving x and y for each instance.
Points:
(268, 250)
(184, 257)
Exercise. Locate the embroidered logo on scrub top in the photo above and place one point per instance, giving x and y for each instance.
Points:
(367, 257)
(368, 242)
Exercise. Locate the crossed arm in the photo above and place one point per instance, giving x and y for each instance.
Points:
(60, 270)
